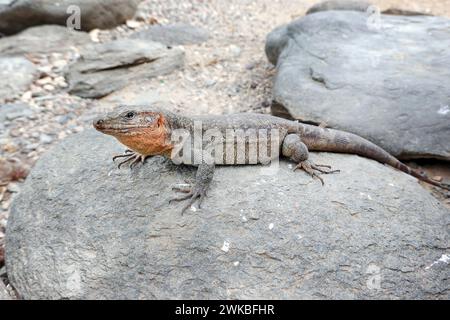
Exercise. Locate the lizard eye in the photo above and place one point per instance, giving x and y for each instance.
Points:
(130, 115)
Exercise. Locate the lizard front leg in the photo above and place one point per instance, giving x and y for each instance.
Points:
(203, 178)
(297, 151)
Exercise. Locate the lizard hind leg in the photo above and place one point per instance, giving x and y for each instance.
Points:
(297, 151)
(203, 178)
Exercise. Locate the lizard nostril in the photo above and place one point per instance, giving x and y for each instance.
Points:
(98, 122)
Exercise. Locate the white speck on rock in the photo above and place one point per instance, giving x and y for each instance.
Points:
(193, 208)
(225, 246)
(236, 263)
(73, 282)
(444, 110)
(270, 226)
(445, 258)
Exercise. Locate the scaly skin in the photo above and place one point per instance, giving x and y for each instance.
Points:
(147, 131)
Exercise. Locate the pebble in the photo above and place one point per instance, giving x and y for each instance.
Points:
(250, 66)
(235, 50)
(45, 80)
(45, 138)
(49, 87)
(13, 187)
(133, 24)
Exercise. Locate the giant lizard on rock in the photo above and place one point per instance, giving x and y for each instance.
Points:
(149, 131)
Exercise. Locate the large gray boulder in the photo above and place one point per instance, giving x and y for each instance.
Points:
(17, 15)
(104, 68)
(16, 75)
(57, 39)
(385, 79)
(83, 229)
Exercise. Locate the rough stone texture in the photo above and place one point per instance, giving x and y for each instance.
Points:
(57, 39)
(81, 228)
(352, 5)
(104, 68)
(16, 75)
(173, 34)
(355, 5)
(387, 84)
(4, 295)
(18, 15)
(9, 112)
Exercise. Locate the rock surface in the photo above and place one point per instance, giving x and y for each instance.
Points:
(16, 75)
(18, 15)
(4, 295)
(13, 111)
(385, 80)
(358, 5)
(104, 68)
(57, 39)
(173, 34)
(352, 5)
(82, 229)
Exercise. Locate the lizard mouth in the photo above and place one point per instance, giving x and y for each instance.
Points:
(108, 128)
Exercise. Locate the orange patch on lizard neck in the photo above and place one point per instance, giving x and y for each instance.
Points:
(149, 141)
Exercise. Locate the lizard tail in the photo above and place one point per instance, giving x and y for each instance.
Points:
(321, 139)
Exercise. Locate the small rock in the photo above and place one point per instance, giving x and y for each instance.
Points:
(13, 111)
(45, 138)
(94, 35)
(13, 187)
(49, 87)
(43, 81)
(210, 82)
(437, 178)
(250, 66)
(133, 24)
(31, 147)
(173, 34)
(235, 50)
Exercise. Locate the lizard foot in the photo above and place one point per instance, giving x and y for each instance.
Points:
(313, 169)
(132, 158)
(192, 194)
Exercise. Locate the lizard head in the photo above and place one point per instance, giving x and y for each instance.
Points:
(145, 131)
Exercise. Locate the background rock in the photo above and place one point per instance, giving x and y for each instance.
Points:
(18, 15)
(81, 228)
(16, 75)
(14, 111)
(104, 68)
(57, 39)
(385, 80)
(173, 34)
(352, 5)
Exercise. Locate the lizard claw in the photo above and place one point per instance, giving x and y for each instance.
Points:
(314, 169)
(132, 158)
(192, 194)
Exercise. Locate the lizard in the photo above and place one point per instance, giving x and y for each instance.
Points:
(148, 131)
